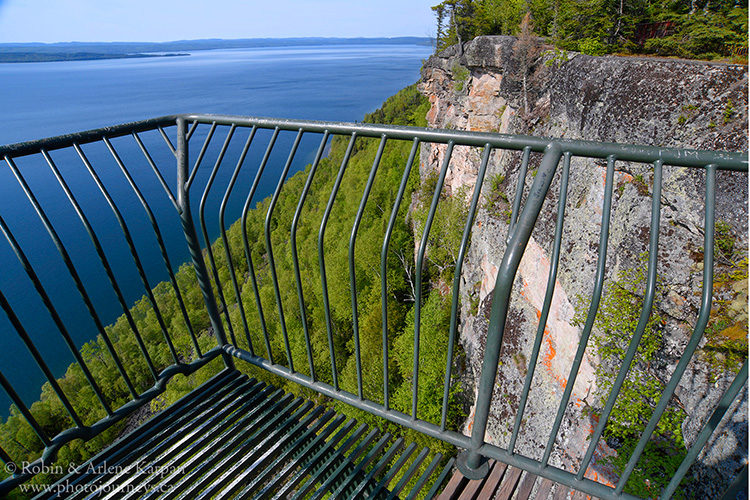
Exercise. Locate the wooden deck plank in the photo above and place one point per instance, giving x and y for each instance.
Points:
(493, 480)
(579, 495)
(524, 491)
(453, 487)
(544, 488)
(472, 488)
(561, 492)
(510, 481)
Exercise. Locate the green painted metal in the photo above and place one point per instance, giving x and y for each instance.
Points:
(225, 240)
(246, 244)
(280, 429)
(202, 219)
(234, 437)
(352, 276)
(700, 325)
(519, 193)
(457, 281)
(295, 258)
(269, 247)
(548, 294)
(384, 267)
(418, 271)
(593, 308)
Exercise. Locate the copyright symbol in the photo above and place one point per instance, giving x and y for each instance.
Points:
(11, 468)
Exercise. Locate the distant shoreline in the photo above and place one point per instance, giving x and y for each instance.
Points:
(31, 57)
(83, 51)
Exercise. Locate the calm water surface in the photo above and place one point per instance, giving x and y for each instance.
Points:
(45, 99)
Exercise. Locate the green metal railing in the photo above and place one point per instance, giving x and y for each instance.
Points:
(199, 187)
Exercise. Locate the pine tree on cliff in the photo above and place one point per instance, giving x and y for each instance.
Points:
(526, 51)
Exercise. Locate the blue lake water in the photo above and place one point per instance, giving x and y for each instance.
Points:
(39, 100)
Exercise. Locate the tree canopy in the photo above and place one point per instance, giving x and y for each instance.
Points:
(702, 29)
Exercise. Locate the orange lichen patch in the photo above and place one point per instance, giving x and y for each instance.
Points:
(547, 358)
(624, 177)
(550, 352)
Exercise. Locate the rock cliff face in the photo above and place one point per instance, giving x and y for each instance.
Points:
(613, 99)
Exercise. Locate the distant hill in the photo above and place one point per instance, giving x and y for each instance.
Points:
(67, 51)
(20, 57)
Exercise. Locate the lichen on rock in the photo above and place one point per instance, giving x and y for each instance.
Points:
(662, 102)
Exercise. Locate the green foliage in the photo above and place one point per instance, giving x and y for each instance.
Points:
(689, 28)
(496, 202)
(558, 58)
(407, 107)
(444, 240)
(727, 330)
(728, 112)
(723, 239)
(592, 47)
(616, 322)
(460, 77)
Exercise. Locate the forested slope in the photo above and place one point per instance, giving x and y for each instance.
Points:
(407, 107)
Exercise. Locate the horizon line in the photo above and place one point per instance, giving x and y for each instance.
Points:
(426, 38)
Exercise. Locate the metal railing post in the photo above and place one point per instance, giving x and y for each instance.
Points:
(196, 253)
(471, 463)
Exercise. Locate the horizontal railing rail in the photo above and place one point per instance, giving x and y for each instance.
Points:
(258, 285)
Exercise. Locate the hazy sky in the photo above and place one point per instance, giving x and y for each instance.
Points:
(164, 20)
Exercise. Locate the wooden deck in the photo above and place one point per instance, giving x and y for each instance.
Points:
(505, 482)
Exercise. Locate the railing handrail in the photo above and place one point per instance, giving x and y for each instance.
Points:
(522, 221)
(723, 160)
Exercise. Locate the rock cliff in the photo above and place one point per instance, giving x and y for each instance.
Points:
(614, 99)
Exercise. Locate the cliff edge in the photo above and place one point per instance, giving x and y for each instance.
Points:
(504, 85)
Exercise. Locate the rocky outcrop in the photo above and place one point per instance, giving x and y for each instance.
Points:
(648, 101)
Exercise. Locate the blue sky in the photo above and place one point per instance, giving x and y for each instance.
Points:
(164, 20)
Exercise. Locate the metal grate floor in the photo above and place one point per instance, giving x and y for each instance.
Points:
(235, 437)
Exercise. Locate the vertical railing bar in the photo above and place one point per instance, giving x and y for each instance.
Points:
(384, 267)
(519, 192)
(104, 261)
(352, 274)
(166, 139)
(200, 156)
(549, 293)
(24, 410)
(73, 273)
(159, 241)
(402, 460)
(437, 485)
(190, 131)
(191, 238)
(23, 334)
(204, 230)
(700, 441)
(156, 170)
(408, 474)
(418, 275)
(8, 462)
(248, 256)
(739, 484)
(457, 281)
(388, 457)
(321, 256)
(696, 336)
(471, 463)
(593, 309)
(53, 312)
(227, 253)
(295, 259)
(425, 476)
(648, 302)
(269, 248)
(133, 251)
